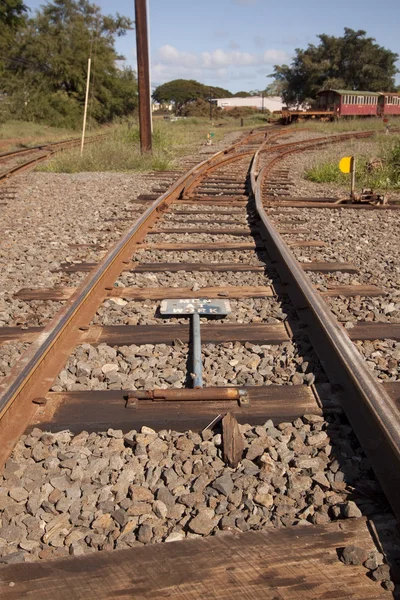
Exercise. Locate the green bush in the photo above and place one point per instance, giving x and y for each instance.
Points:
(386, 176)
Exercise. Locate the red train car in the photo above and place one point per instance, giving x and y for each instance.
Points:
(346, 103)
(331, 104)
(388, 104)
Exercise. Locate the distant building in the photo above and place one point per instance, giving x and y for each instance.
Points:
(166, 106)
(271, 103)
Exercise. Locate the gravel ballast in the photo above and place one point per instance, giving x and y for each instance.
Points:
(67, 495)
(153, 366)
(193, 280)
(117, 311)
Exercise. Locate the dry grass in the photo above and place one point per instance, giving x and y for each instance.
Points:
(121, 150)
(24, 134)
(350, 124)
(385, 175)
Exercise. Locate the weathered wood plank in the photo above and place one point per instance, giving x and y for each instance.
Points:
(365, 330)
(213, 200)
(99, 410)
(353, 290)
(211, 246)
(200, 267)
(306, 243)
(64, 293)
(61, 293)
(232, 441)
(9, 334)
(239, 232)
(209, 212)
(329, 267)
(228, 221)
(290, 563)
(206, 292)
(211, 333)
(83, 267)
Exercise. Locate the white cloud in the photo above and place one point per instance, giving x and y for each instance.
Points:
(218, 65)
(272, 57)
(169, 55)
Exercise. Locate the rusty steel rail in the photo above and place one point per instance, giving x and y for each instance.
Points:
(371, 411)
(49, 150)
(37, 368)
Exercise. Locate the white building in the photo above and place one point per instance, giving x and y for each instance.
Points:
(271, 103)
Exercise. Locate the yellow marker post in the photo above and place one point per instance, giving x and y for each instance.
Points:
(348, 165)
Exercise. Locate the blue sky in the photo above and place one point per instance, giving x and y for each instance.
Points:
(235, 43)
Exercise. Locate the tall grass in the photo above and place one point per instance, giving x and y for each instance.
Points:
(385, 175)
(349, 124)
(120, 151)
(20, 132)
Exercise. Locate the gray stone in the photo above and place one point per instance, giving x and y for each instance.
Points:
(223, 484)
(204, 522)
(351, 510)
(353, 555)
(10, 533)
(145, 533)
(120, 516)
(19, 494)
(374, 561)
(175, 536)
(382, 573)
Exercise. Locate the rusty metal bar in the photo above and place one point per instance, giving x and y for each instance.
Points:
(190, 395)
(371, 411)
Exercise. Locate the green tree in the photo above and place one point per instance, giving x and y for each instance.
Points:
(48, 66)
(353, 61)
(12, 18)
(184, 91)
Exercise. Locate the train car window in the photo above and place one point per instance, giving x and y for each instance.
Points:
(360, 100)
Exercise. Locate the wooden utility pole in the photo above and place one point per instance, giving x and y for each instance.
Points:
(86, 105)
(142, 46)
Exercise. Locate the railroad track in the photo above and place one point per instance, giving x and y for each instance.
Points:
(209, 236)
(36, 154)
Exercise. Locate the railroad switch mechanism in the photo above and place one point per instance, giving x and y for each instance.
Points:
(211, 394)
(366, 197)
(348, 165)
(194, 307)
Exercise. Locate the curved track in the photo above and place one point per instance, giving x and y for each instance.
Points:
(213, 220)
(38, 154)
